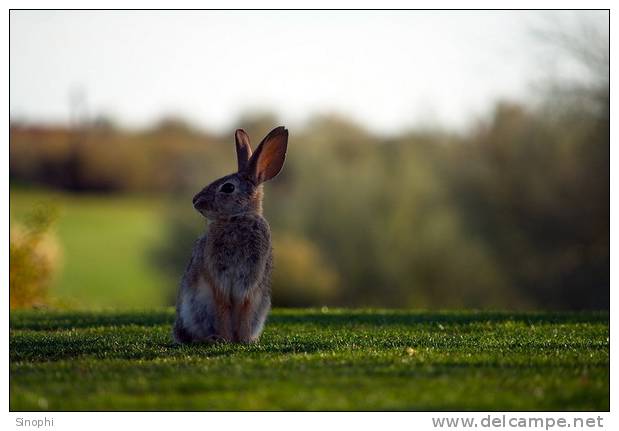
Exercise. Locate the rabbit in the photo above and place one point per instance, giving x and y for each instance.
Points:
(225, 292)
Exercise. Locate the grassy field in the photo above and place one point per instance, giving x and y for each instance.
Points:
(314, 360)
(88, 227)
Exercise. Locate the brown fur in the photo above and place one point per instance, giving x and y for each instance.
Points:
(225, 291)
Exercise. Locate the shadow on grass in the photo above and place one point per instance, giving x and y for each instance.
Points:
(57, 349)
(396, 317)
(54, 320)
(58, 320)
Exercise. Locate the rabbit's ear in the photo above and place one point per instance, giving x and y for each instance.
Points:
(268, 159)
(243, 149)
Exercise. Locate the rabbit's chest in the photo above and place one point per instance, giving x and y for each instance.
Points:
(228, 249)
(233, 253)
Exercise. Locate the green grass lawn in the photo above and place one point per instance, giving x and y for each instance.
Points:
(314, 360)
(88, 228)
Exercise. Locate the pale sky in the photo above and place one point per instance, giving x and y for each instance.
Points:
(385, 70)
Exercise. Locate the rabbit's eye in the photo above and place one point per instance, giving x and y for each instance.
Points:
(227, 188)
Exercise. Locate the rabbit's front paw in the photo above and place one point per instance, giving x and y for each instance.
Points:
(215, 339)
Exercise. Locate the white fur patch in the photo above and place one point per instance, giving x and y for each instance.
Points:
(203, 299)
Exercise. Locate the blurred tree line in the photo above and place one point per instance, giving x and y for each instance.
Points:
(513, 213)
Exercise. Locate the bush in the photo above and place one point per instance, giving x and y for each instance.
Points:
(302, 276)
(34, 258)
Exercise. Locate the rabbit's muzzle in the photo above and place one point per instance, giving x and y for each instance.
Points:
(200, 202)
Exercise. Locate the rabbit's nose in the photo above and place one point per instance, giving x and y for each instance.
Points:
(199, 201)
